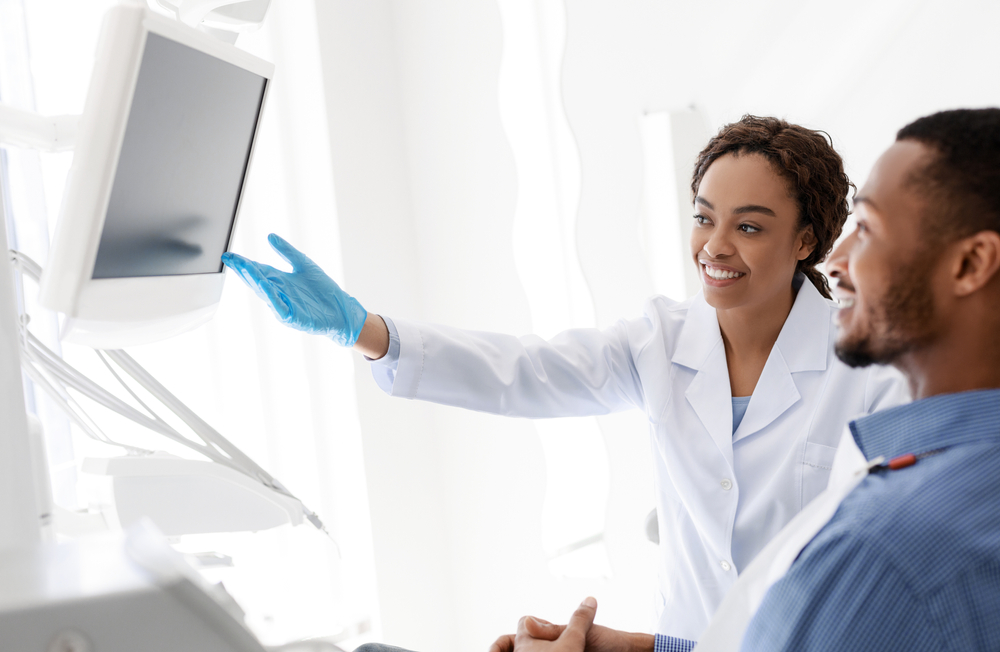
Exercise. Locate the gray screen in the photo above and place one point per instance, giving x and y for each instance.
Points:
(182, 164)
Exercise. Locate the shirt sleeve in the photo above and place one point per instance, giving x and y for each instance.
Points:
(579, 372)
(842, 594)
(671, 644)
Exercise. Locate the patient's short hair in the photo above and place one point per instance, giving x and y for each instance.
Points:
(962, 181)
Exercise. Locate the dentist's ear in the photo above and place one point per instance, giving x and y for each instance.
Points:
(807, 242)
(976, 262)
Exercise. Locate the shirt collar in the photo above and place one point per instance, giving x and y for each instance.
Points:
(929, 424)
(804, 340)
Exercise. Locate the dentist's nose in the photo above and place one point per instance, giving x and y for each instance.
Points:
(719, 245)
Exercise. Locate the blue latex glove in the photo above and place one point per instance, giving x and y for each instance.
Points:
(305, 298)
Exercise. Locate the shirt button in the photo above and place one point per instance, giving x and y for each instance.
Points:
(726, 566)
(726, 484)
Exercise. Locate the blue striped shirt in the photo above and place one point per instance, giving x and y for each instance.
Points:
(911, 559)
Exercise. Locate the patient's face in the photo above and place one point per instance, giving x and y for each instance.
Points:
(746, 239)
(884, 268)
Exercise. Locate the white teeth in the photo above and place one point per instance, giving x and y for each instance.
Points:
(847, 303)
(720, 274)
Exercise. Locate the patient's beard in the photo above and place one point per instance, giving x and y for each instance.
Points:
(897, 323)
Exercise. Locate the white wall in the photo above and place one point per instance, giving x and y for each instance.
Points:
(425, 188)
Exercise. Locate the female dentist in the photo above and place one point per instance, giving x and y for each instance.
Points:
(745, 398)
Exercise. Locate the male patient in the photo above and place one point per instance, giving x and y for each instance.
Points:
(911, 558)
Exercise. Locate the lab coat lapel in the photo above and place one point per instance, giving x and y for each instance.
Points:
(802, 345)
(775, 392)
(700, 347)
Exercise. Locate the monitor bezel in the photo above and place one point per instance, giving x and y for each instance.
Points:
(127, 304)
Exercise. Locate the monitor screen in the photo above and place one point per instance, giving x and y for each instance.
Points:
(182, 164)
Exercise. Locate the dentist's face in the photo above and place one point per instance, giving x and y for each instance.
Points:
(884, 269)
(746, 239)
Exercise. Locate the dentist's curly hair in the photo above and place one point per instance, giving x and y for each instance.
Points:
(810, 164)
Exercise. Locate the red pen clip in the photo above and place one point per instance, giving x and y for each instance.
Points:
(901, 461)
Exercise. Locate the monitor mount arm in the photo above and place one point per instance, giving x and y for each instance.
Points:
(21, 128)
(224, 19)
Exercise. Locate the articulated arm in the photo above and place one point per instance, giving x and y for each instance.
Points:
(28, 129)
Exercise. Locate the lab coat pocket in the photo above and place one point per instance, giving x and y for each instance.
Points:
(817, 460)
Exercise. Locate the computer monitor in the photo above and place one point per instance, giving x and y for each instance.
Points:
(163, 149)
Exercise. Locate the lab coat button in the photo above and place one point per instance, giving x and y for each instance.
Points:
(726, 484)
(726, 566)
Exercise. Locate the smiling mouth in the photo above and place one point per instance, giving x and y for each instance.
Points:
(720, 274)
(844, 292)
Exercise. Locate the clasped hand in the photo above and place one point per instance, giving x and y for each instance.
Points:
(580, 635)
(536, 635)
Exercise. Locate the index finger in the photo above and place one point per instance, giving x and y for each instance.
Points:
(256, 276)
(579, 623)
(543, 629)
(250, 271)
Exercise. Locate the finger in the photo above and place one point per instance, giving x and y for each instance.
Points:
(252, 273)
(236, 262)
(295, 258)
(258, 278)
(579, 623)
(503, 644)
(543, 629)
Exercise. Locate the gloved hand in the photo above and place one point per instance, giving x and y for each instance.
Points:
(305, 298)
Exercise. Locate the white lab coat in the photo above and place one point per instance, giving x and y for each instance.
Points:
(720, 496)
(729, 624)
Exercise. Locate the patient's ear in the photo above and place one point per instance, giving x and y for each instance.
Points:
(977, 262)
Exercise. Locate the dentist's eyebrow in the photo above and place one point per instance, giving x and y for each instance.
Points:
(742, 210)
(754, 208)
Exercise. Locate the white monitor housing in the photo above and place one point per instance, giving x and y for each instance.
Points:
(161, 160)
